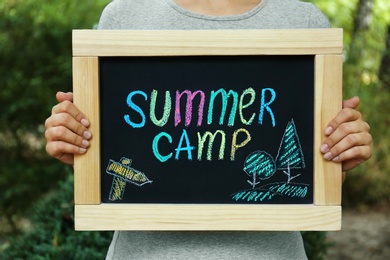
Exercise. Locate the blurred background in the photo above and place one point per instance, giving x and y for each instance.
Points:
(36, 192)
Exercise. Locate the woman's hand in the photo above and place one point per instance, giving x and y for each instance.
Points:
(66, 130)
(348, 137)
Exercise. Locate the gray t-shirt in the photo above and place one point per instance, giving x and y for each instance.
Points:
(166, 15)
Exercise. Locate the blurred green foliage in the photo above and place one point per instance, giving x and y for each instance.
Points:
(35, 62)
(53, 235)
(316, 244)
(363, 52)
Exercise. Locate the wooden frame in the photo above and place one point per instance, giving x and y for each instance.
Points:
(324, 214)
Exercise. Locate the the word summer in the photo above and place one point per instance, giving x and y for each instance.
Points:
(228, 105)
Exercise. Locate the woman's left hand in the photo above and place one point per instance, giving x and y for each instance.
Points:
(348, 139)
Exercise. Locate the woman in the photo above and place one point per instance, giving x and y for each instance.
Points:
(348, 138)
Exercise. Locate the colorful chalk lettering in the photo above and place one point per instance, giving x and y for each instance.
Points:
(184, 144)
(211, 138)
(167, 108)
(190, 98)
(265, 105)
(136, 108)
(186, 148)
(156, 152)
(222, 95)
(242, 106)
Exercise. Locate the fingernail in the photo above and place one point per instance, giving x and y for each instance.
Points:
(328, 130)
(328, 156)
(324, 148)
(84, 122)
(87, 135)
(336, 159)
(85, 143)
(82, 150)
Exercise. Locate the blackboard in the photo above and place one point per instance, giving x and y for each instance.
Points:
(155, 99)
(279, 91)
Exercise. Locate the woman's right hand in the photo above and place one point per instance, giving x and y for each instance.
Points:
(66, 130)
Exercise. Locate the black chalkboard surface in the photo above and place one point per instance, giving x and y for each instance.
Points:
(156, 113)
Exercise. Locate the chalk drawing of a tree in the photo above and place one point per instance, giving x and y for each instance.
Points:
(290, 155)
(259, 164)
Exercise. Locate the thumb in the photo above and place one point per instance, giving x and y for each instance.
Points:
(62, 96)
(351, 103)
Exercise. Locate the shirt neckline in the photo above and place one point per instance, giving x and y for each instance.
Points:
(242, 16)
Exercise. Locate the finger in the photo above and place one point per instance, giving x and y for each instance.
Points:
(69, 108)
(347, 144)
(342, 132)
(354, 157)
(345, 115)
(62, 96)
(67, 121)
(351, 103)
(67, 158)
(63, 151)
(63, 134)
